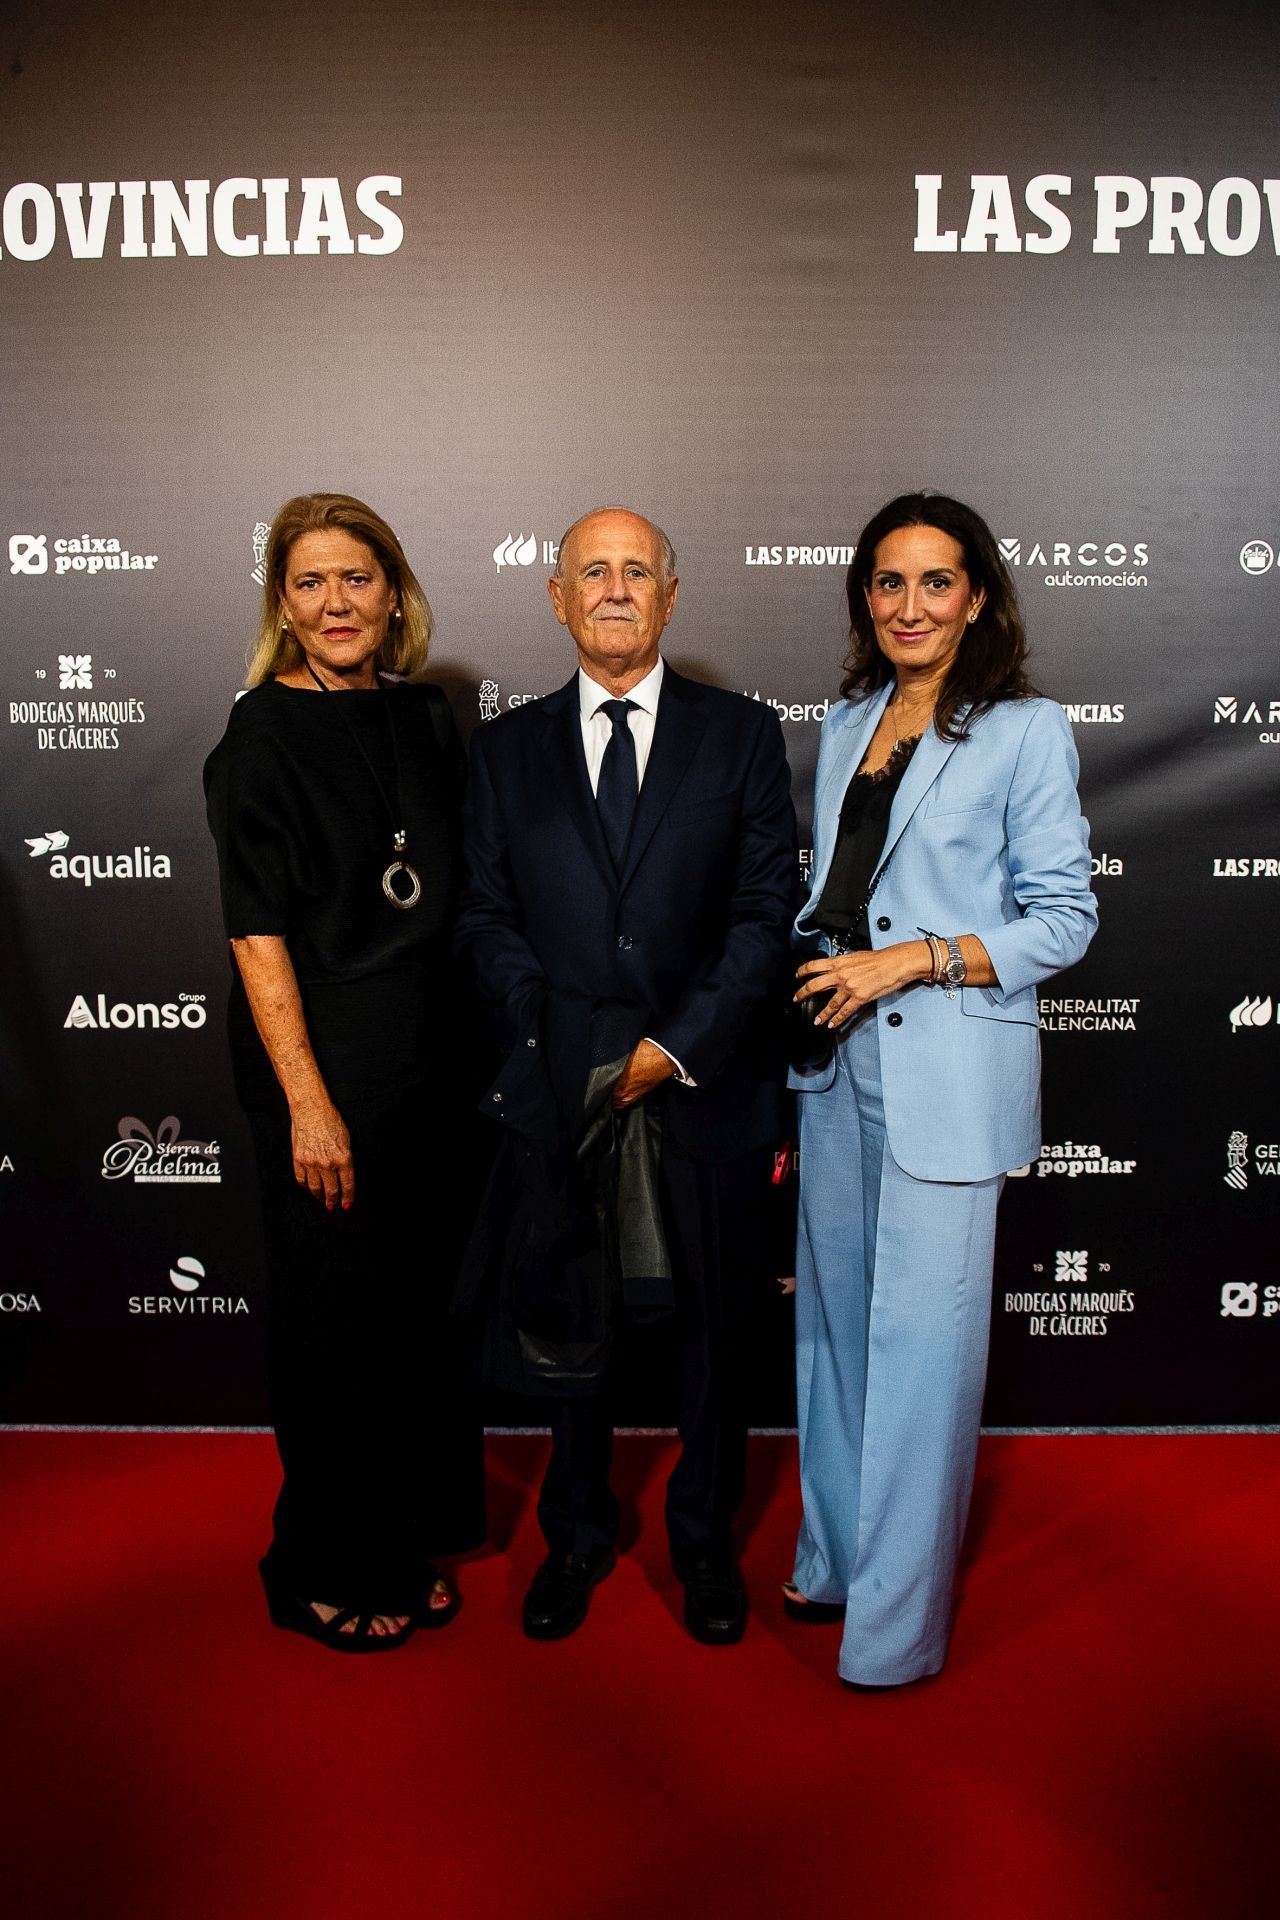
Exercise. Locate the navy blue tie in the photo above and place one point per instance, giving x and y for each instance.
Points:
(619, 780)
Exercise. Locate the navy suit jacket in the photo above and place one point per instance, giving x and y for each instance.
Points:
(692, 934)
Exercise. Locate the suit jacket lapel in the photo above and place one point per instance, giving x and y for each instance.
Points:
(926, 763)
(567, 770)
(677, 729)
(847, 749)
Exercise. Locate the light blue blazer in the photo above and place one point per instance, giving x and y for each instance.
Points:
(985, 836)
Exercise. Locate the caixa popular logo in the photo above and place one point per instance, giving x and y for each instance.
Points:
(1238, 1300)
(88, 554)
(92, 1013)
(162, 1158)
(137, 863)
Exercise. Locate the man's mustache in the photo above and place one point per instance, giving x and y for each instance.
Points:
(616, 613)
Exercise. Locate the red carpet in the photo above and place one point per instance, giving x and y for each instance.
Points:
(1103, 1742)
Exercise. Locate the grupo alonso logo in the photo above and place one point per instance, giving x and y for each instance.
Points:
(1257, 556)
(188, 1010)
(1251, 1012)
(162, 1158)
(187, 1277)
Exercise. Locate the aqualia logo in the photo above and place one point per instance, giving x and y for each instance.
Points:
(138, 864)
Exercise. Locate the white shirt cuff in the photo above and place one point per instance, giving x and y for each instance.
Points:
(685, 1079)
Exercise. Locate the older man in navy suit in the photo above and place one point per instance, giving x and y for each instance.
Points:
(631, 866)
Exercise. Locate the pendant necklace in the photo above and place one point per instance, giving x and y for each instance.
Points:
(398, 836)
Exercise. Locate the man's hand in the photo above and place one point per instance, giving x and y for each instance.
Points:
(647, 1068)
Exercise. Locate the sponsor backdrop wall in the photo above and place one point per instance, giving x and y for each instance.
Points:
(751, 269)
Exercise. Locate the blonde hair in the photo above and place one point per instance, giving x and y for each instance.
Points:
(275, 647)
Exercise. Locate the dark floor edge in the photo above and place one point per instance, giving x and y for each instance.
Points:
(758, 1433)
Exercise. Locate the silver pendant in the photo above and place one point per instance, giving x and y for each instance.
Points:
(411, 900)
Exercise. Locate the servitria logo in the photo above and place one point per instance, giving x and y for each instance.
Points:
(188, 1299)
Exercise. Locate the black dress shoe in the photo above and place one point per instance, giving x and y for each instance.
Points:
(560, 1592)
(715, 1600)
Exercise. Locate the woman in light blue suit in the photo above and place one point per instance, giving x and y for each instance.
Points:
(951, 874)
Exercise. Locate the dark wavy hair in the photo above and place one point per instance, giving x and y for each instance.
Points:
(990, 665)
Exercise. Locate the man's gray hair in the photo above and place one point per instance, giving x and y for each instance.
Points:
(667, 550)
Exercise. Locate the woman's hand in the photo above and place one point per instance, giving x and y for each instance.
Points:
(321, 1143)
(854, 980)
(322, 1153)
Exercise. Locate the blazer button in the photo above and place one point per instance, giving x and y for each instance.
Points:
(497, 1099)
(528, 1043)
(625, 942)
(895, 1019)
(884, 923)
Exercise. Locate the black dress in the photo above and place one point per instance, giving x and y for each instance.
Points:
(382, 1451)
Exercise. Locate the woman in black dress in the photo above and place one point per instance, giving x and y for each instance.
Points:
(334, 799)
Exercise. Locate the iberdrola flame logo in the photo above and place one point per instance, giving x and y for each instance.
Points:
(517, 550)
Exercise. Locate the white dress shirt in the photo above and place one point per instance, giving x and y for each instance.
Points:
(597, 731)
(597, 728)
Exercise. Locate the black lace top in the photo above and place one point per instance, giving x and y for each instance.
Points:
(860, 838)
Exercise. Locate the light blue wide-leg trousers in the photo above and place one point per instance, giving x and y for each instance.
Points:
(893, 1310)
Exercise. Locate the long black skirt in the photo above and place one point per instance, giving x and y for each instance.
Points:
(379, 1436)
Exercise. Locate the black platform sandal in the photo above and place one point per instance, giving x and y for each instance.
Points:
(298, 1616)
(810, 1613)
